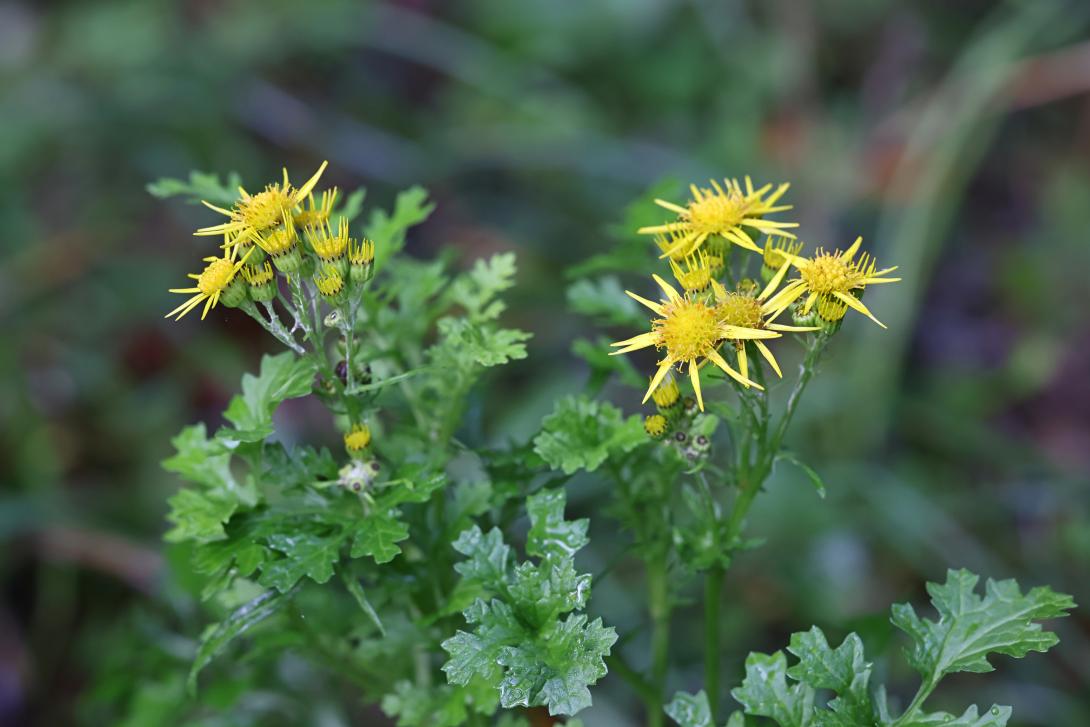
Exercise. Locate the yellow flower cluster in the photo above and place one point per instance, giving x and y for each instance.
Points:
(691, 326)
(292, 229)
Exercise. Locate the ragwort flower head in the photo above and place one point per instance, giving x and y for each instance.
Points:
(721, 211)
(253, 214)
(745, 308)
(832, 282)
(217, 280)
(688, 331)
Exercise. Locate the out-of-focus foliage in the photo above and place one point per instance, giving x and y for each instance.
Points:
(534, 126)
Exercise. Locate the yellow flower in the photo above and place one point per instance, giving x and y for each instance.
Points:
(327, 246)
(830, 280)
(361, 253)
(255, 213)
(667, 394)
(773, 258)
(316, 214)
(260, 278)
(357, 438)
(330, 282)
(744, 309)
(697, 273)
(655, 425)
(216, 277)
(690, 332)
(723, 212)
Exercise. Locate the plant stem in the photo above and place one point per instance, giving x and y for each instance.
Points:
(921, 695)
(659, 598)
(713, 588)
(617, 665)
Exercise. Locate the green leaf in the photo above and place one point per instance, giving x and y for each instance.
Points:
(581, 434)
(305, 554)
(200, 186)
(843, 670)
(437, 705)
(388, 230)
(690, 710)
(465, 343)
(487, 557)
(354, 587)
(971, 627)
(605, 301)
(765, 692)
(810, 472)
(522, 643)
(550, 533)
(378, 535)
(198, 516)
(995, 717)
(218, 635)
(201, 460)
(477, 289)
(283, 376)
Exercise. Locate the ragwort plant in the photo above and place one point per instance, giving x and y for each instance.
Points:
(389, 563)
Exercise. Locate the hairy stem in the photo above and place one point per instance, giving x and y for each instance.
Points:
(659, 598)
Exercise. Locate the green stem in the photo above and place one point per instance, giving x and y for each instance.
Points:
(645, 689)
(659, 598)
(713, 588)
(922, 694)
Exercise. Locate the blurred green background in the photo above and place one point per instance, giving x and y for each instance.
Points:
(954, 136)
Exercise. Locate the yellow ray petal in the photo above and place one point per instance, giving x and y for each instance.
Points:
(184, 290)
(634, 344)
(186, 306)
(851, 251)
(694, 376)
(792, 329)
(852, 302)
(664, 366)
(775, 281)
(211, 206)
(718, 360)
(691, 241)
(743, 362)
(780, 191)
(656, 307)
(741, 239)
(303, 191)
(670, 206)
(767, 353)
(670, 291)
(787, 295)
(809, 304)
(738, 333)
(665, 227)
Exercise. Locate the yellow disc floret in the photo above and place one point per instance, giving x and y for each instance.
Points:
(688, 329)
(739, 309)
(357, 438)
(655, 425)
